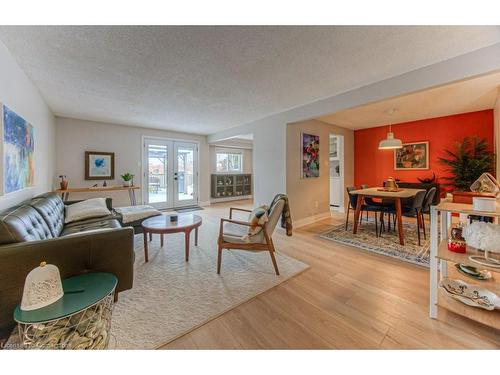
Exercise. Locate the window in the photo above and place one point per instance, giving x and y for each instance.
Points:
(229, 162)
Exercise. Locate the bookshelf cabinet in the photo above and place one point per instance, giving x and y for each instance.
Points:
(231, 186)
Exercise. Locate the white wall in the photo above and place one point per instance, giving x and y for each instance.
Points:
(74, 137)
(269, 134)
(19, 94)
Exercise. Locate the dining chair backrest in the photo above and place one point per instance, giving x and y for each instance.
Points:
(353, 198)
(429, 198)
(418, 200)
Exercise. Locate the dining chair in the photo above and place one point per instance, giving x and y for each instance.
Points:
(353, 201)
(426, 209)
(412, 210)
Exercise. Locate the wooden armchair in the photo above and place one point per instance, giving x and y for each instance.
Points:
(231, 234)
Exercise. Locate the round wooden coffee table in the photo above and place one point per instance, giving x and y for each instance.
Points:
(162, 225)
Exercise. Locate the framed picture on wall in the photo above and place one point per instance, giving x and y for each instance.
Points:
(99, 165)
(310, 155)
(412, 156)
(18, 151)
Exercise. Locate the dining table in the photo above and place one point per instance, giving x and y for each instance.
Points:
(395, 195)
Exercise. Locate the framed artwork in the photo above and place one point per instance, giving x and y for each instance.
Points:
(18, 151)
(99, 165)
(412, 156)
(310, 155)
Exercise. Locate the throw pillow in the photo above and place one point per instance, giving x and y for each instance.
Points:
(257, 217)
(90, 208)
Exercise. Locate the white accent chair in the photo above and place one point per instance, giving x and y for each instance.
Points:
(231, 234)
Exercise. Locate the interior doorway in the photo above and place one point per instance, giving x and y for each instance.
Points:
(170, 173)
(336, 159)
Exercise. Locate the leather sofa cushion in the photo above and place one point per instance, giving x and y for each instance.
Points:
(23, 224)
(51, 207)
(90, 225)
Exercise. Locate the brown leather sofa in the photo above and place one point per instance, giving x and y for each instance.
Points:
(34, 231)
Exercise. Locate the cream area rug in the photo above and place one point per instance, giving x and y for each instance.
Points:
(387, 244)
(171, 297)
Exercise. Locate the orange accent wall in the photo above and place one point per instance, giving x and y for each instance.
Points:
(372, 166)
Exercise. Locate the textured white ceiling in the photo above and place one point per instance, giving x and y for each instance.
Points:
(466, 96)
(209, 78)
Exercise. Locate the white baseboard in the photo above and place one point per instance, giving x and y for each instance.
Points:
(228, 199)
(204, 204)
(311, 219)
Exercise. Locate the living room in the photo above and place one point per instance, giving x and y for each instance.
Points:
(173, 186)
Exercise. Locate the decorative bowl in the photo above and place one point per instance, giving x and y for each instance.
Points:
(469, 294)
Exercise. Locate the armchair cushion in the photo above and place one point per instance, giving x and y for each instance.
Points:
(236, 233)
(257, 217)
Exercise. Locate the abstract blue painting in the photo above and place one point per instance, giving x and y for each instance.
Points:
(18, 152)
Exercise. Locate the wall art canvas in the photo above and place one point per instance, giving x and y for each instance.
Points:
(18, 152)
(310, 155)
(412, 156)
(99, 165)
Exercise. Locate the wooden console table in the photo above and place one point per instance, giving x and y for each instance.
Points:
(99, 189)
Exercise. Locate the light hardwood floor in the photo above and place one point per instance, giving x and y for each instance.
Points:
(348, 299)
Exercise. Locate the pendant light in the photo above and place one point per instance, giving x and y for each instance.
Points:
(390, 143)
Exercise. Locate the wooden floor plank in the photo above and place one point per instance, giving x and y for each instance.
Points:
(348, 299)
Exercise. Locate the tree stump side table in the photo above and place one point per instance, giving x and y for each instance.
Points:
(81, 319)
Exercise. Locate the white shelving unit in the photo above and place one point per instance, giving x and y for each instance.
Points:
(442, 263)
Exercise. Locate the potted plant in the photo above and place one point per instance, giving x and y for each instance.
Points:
(128, 179)
(466, 163)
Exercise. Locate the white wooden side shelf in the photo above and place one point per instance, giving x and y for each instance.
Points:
(442, 263)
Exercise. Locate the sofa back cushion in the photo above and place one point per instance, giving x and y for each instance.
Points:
(23, 224)
(51, 207)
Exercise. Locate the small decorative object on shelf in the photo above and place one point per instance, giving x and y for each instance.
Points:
(473, 272)
(64, 182)
(484, 204)
(471, 295)
(42, 287)
(104, 184)
(81, 319)
(486, 237)
(173, 218)
(456, 242)
(128, 179)
(486, 183)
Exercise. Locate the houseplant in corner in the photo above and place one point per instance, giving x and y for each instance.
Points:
(128, 179)
(466, 163)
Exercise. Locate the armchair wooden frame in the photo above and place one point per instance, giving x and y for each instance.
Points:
(267, 246)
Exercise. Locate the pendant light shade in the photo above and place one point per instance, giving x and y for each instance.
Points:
(390, 143)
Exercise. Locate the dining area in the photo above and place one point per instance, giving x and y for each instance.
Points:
(390, 205)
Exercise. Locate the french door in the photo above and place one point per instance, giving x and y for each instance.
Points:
(170, 173)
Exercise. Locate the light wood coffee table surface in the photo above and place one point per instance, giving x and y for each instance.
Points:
(162, 225)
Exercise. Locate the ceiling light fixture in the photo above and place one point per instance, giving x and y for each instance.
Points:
(390, 143)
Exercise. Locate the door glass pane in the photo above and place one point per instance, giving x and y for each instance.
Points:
(185, 173)
(157, 173)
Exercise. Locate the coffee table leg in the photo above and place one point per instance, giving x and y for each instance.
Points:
(161, 240)
(146, 246)
(186, 236)
(196, 236)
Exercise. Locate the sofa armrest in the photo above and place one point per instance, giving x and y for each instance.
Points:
(107, 251)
